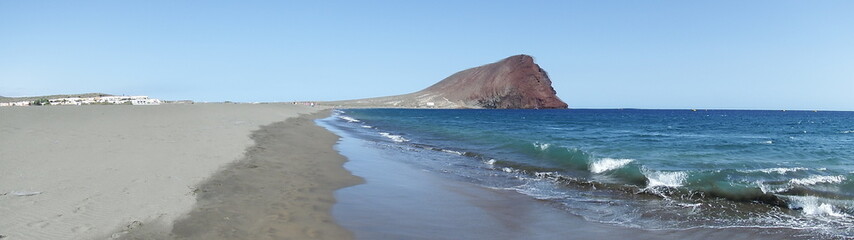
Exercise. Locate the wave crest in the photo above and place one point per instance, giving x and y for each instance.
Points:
(349, 119)
(778, 170)
(813, 206)
(395, 138)
(542, 146)
(608, 164)
(665, 179)
(812, 180)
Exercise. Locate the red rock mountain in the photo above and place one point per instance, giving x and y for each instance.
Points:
(514, 82)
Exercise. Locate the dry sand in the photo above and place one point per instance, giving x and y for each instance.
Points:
(88, 172)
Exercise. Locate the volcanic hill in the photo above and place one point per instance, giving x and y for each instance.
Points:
(515, 82)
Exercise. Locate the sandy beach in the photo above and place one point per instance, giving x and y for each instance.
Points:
(94, 172)
(251, 171)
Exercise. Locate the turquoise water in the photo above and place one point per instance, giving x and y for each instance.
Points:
(653, 169)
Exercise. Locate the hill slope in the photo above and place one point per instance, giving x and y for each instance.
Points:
(514, 82)
(33, 98)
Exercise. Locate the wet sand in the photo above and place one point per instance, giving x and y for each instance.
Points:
(281, 189)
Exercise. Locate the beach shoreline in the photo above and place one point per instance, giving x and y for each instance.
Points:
(412, 201)
(284, 173)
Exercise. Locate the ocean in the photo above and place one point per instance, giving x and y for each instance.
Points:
(649, 169)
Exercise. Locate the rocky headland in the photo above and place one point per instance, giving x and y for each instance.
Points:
(515, 82)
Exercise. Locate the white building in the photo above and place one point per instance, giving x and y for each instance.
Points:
(21, 103)
(146, 101)
(135, 100)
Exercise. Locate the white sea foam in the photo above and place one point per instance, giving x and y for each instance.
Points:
(822, 209)
(348, 119)
(665, 179)
(396, 138)
(539, 190)
(491, 162)
(507, 169)
(847, 132)
(608, 164)
(762, 187)
(689, 205)
(768, 189)
(768, 142)
(367, 126)
(810, 205)
(816, 179)
(452, 151)
(778, 170)
(542, 146)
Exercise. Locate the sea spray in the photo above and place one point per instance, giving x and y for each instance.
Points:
(811, 205)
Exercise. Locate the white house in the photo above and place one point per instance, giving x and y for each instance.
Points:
(21, 103)
(146, 101)
(135, 100)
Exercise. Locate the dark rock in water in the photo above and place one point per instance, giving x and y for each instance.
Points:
(514, 82)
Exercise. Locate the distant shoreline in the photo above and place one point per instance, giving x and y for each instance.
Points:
(356, 106)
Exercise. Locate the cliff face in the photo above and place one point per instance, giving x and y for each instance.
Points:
(514, 82)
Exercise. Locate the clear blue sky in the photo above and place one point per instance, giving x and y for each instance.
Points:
(599, 54)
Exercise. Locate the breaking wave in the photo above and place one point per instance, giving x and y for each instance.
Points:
(777, 170)
(349, 119)
(665, 179)
(608, 164)
(811, 205)
(395, 138)
(816, 179)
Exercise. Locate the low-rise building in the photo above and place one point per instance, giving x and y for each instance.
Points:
(21, 103)
(134, 100)
(146, 101)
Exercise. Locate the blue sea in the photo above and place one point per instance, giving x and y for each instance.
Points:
(650, 169)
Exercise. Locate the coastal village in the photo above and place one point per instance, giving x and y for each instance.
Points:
(132, 100)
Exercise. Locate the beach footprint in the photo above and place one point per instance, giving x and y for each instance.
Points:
(80, 229)
(38, 224)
